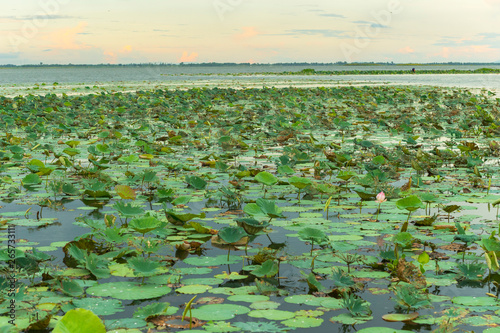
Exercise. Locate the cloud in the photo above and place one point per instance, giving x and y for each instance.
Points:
(66, 38)
(248, 32)
(110, 57)
(188, 57)
(38, 17)
(470, 52)
(321, 32)
(445, 52)
(406, 50)
(371, 24)
(9, 55)
(492, 38)
(333, 15)
(127, 49)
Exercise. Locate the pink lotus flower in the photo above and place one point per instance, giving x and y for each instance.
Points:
(380, 197)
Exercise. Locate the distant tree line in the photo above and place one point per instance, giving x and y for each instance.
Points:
(221, 64)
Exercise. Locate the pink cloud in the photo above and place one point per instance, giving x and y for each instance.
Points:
(470, 52)
(66, 38)
(406, 50)
(188, 57)
(110, 57)
(248, 32)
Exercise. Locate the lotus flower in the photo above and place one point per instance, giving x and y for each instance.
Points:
(380, 198)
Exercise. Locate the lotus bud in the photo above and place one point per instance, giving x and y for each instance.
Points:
(380, 197)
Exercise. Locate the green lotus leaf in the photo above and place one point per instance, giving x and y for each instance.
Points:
(196, 182)
(267, 327)
(313, 235)
(129, 323)
(253, 209)
(428, 197)
(144, 224)
(403, 238)
(155, 309)
(71, 151)
(474, 301)
(299, 182)
(400, 316)
(381, 330)
(31, 179)
(347, 319)
(346, 175)
(143, 266)
(266, 178)
(248, 298)
(232, 234)
(207, 281)
(129, 159)
(271, 314)
(285, 169)
(212, 261)
(264, 305)
(79, 321)
(71, 288)
(180, 219)
(99, 306)
(305, 299)
(269, 207)
(70, 189)
(410, 203)
(268, 269)
(193, 289)
(251, 225)
(127, 210)
(219, 327)
(219, 311)
(182, 200)
(128, 290)
(303, 322)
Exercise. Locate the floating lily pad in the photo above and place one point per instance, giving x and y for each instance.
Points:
(303, 322)
(400, 316)
(219, 311)
(271, 314)
(212, 261)
(128, 290)
(193, 289)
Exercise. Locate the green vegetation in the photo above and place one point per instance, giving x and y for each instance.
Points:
(322, 197)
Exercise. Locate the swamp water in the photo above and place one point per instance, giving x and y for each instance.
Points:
(116, 200)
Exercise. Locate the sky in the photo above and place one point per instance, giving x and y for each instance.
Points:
(255, 31)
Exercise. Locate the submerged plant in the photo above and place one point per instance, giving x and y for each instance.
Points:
(408, 297)
(357, 307)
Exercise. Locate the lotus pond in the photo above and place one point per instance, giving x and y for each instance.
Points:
(368, 209)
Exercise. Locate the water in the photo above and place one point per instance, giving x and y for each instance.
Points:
(10, 76)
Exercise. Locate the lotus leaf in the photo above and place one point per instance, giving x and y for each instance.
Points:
(144, 224)
(128, 290)
(271, 314)
(266, 178)
(219, 311)
(268, 269)
(79, 321)
(410, 203)
(232, 234)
